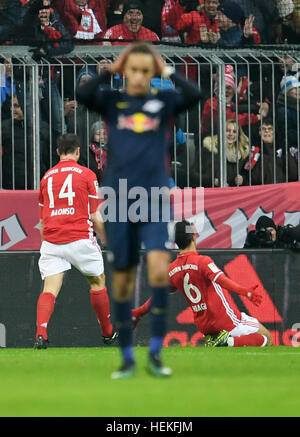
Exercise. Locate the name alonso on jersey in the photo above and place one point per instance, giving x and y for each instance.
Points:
(63, 211)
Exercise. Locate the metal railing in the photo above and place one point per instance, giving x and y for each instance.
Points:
(203, 152)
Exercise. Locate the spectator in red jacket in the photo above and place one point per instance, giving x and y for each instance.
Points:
(131, 29)
(211, 107)
(84, 19)
(169, 33)
(199, 25)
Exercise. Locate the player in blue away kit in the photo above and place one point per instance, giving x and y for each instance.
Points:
(138, 121)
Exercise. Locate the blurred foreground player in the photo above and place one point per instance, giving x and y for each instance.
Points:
(138, 122)
(69, 217)
(201, 282)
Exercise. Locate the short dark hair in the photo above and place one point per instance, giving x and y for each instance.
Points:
(67, 143)
(183, 234)
(267, 121)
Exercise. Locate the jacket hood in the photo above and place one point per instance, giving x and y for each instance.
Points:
(86, 71)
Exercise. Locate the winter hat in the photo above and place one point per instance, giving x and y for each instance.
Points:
(229, 78)
(132, 4)
(229, 81)
(98, 125)
(285, 7)
(233, 11)
(264, 222)
(289, 82)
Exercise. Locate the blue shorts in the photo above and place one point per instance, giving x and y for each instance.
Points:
(124, 240)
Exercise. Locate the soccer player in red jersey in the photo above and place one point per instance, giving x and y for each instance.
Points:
(201, 282)
(69, 217)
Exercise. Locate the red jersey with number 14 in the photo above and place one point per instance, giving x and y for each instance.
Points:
(195, 277)
(68, 195)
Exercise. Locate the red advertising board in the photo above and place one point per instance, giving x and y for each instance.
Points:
(223, 221)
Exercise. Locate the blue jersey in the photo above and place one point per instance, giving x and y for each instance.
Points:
(138, 135)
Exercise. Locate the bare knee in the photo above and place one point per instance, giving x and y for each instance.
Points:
(96, 282)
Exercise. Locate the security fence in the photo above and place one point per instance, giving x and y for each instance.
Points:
(244, 131)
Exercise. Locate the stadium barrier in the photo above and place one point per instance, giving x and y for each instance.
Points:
(73, 323)
(46, 92)
(222, 217)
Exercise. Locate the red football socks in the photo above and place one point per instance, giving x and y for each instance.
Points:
(250, 340)
(100, 303)
(45, 307)
(142, 310)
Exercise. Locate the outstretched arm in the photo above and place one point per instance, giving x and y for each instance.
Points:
(250, 292)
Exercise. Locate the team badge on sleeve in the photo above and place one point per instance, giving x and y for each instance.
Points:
(213, 267)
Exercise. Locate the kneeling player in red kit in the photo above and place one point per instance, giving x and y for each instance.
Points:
(201, 282)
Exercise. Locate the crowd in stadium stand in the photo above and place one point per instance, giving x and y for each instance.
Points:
(204, 22)
(260, 148)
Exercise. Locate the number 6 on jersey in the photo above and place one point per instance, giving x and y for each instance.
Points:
(188, 287)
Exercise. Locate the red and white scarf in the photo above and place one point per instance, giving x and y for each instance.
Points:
(89, 26)
(254, 157)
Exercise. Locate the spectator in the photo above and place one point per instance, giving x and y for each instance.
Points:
(237, 152)
(287, 27)
(199, 26)
(43, 26)
(152, 15)
(211, 107)
(235, 29)
(50, 39)
(183, 160)
(8, 88)
(296, 14)
(265, 165)
(169, 33)
(265, 12)
(131, 29)
(286, 65)
(17, 159)
(79, 119)
(114, 13)
(11, 18)
(288, 107)
(84, 19)
(98, 149)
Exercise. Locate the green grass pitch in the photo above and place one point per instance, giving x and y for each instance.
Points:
(219, 382)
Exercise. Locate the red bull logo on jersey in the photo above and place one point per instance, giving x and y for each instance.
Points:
(138, 123)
